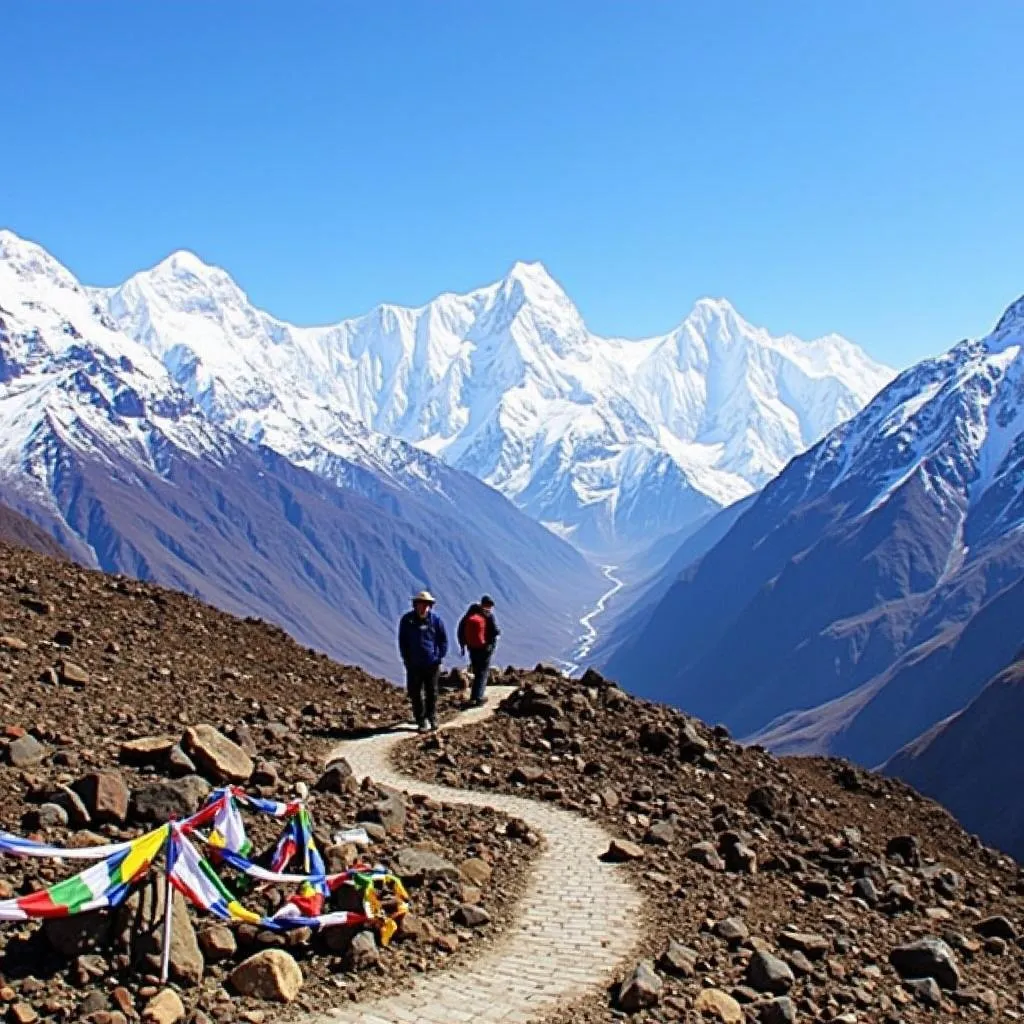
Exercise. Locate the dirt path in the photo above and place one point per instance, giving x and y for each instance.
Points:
(578, 920)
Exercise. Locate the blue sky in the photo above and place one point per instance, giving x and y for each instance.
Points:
(856, 167)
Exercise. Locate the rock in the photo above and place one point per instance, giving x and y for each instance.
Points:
(217, 942)
(692, 746)
(94, 1002)
(865, 889)
(777, 1011)
(718, 1005)
(13, 643)
(157, 802)
(996, 927)
(165, 1007)
(661, 833)
(740, 859)
(22, 1013)
(469, 916)
(179, 763)
(414, 928)
(925, 990)
(732, 930)
(105, 795)
(336, 779)
(217, 757)
(147, 751)
(71, 802)
(25, 752)
(654, 740)
(678, 960)
(927, 958)
(706, 854)
(814, 947)
(641, 990)
(389, 812)
(71, 674)
(46, 816)
(526, 775)
(362, 952)
(764, 801)
(270, 974)
(415, 866)
(767, 973)
(620, 850)
(140, 922)
(476, 871)
(907, 848)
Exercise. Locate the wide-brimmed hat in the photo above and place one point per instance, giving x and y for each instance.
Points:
(425, 596)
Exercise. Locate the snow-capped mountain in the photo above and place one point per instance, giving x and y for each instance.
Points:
(872, 588)
(609, 442)
(103, 448)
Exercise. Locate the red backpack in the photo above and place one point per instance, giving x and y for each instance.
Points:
(476, 631)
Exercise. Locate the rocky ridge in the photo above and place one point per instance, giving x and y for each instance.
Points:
(121, 704)
(780, 890)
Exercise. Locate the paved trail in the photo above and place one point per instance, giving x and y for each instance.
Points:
(576, 925)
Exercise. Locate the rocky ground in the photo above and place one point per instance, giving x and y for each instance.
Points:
(89, 666)
(781, 890)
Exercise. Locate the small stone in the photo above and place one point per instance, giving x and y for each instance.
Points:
(641, 990)
(156, 802)
(620, 850)
(179, 763)
(105, 795)
(470, 916)
(147, 751)
(389, 812)
(218, 942)
(925, 990)
(767, 973)
(719, 1005)
(447, 943)
(13, 643)
(678, 960)
(415, 866)
(71, 674)
(813, 946)
(164, 1008)
(216, 756)
(337, 779)
(476, 871)
(25, 752)
(22, 1013)
(777, 1011)
(996, 927)
(46, 816)
(706, 854)
(270, 974)
(362, 952)
(732, 930)
(691, 745)
(661, 833)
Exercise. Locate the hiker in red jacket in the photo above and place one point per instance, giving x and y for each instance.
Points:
(479, 632)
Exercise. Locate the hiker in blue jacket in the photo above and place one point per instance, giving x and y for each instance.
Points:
(423, 644)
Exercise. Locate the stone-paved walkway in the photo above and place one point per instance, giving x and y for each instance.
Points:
(577, 922)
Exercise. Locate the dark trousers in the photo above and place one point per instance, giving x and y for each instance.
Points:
(480, 662)
(421, 685)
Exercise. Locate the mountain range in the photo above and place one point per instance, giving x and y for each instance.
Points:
(610, 443)
(130, 473)
(870, 590)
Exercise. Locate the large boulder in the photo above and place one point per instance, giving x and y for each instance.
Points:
(165, 1007)
(270, 974)
(927, 958)
(218, 758)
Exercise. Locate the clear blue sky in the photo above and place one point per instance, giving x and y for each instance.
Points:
(826, 165)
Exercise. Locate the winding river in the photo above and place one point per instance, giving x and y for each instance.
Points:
(588, 637)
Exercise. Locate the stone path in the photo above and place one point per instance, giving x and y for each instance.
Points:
(577, 922)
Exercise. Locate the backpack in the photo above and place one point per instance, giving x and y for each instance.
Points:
(476, 631)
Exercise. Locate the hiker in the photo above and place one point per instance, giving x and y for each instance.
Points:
(479, 632)
(423, 643)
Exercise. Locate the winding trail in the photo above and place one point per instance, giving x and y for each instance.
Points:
(575, 925)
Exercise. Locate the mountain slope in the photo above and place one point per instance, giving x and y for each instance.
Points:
(610, 442)
(128, 473)
(972, 763)
(829, 616)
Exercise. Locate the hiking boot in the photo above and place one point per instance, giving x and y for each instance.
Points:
(432, 727)
(422, 726)
(478, 702)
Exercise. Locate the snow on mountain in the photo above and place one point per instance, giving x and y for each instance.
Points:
(608, 441)
(129, 472)
(866, 592)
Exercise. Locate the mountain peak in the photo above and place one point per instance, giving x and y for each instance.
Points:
(535, 281)
(1013, 318)
(183, 262)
